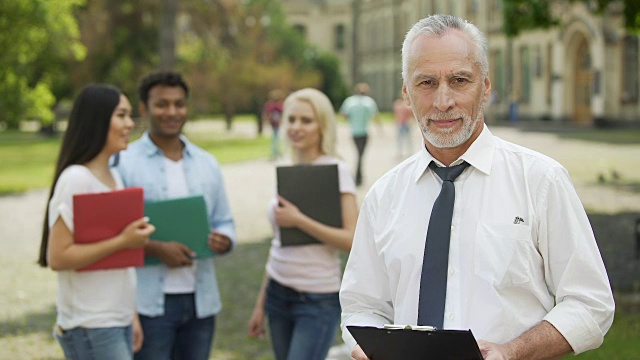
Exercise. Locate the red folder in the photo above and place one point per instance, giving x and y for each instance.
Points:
(100, 216)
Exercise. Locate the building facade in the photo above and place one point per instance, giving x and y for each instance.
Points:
(327, 24)
(584, 71)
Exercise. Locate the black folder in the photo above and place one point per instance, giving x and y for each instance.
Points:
(395, 344)
(315, 190)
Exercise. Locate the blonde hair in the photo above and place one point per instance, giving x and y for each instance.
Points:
(325, 115)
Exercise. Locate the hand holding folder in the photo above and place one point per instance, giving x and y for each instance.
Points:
(315, 190)
(100, 216)
(182, 220)
(417, 342)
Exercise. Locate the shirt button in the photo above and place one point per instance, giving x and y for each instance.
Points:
(451, 271)
(451, 316)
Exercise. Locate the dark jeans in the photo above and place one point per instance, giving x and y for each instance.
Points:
(361, 143)
(178, 334)
(302, 325)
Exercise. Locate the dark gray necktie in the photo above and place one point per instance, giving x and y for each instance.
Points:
(433, 283)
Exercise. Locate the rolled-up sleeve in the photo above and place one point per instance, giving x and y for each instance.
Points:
(574, 270)
(221, 218)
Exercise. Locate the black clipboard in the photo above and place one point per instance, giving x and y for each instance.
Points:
(395, 344)
(315, 190)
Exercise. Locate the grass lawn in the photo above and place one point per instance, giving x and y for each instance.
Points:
(25, 330)
(28, 160)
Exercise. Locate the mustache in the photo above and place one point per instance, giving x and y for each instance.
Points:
(446, 116)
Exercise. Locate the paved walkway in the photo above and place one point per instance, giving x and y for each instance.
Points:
(251, 184)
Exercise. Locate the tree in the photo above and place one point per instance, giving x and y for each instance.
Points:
(37, 38)
(332, 82)
(235, 52)
(526, 14)
(167, 38)
(121, 38)
(522, 15)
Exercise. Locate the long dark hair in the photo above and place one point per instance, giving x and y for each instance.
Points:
(85, 137)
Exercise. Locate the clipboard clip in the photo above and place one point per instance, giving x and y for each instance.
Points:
(410, 327)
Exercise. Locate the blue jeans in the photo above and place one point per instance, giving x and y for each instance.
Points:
(178, 334)
(302, 325)
(114, 343)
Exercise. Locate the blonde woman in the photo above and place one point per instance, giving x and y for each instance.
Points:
(299, 293)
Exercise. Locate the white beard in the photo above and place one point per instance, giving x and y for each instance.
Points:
(449, 138)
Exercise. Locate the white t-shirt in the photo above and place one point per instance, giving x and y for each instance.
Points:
(89, 299)
(179, 280)
(308, 268)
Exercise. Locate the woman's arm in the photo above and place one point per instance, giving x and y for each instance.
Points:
(288, 215)
(64, 254)
(256, 322)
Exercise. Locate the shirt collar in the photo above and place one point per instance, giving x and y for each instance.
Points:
(152, 149)
(479, 155)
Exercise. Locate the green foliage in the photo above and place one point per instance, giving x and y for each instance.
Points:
(522, 15)
(37, 37)
(332, 82)
(631, 11)
(122, 44)
(255, 49)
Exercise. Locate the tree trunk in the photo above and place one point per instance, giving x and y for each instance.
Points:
(167, 36)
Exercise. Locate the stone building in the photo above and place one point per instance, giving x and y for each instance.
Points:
(585, 70)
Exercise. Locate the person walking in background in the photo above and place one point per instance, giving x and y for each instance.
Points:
(509, 251)
(272, 114)
(178, 299)
(96, 314)
(403, 117)
(359, 109)
(299, 292)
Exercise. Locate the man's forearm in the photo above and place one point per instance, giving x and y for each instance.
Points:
(542, 341)
(152, 247)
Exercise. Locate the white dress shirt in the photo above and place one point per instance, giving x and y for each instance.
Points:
(521, 251)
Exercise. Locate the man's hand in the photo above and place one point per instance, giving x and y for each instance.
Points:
(175, 254)
(491, 351)
(358, 354)
(219, 243)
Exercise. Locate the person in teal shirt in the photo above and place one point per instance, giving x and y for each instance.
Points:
(359, 109)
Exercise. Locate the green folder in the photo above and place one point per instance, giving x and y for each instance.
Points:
(183, 220)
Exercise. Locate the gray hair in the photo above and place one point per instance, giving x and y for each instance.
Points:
(439, 25)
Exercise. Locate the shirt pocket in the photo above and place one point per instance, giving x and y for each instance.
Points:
(502, 253)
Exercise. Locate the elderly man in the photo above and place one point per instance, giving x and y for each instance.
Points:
(473, 232)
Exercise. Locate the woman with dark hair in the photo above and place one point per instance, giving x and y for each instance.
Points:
(96, 309)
